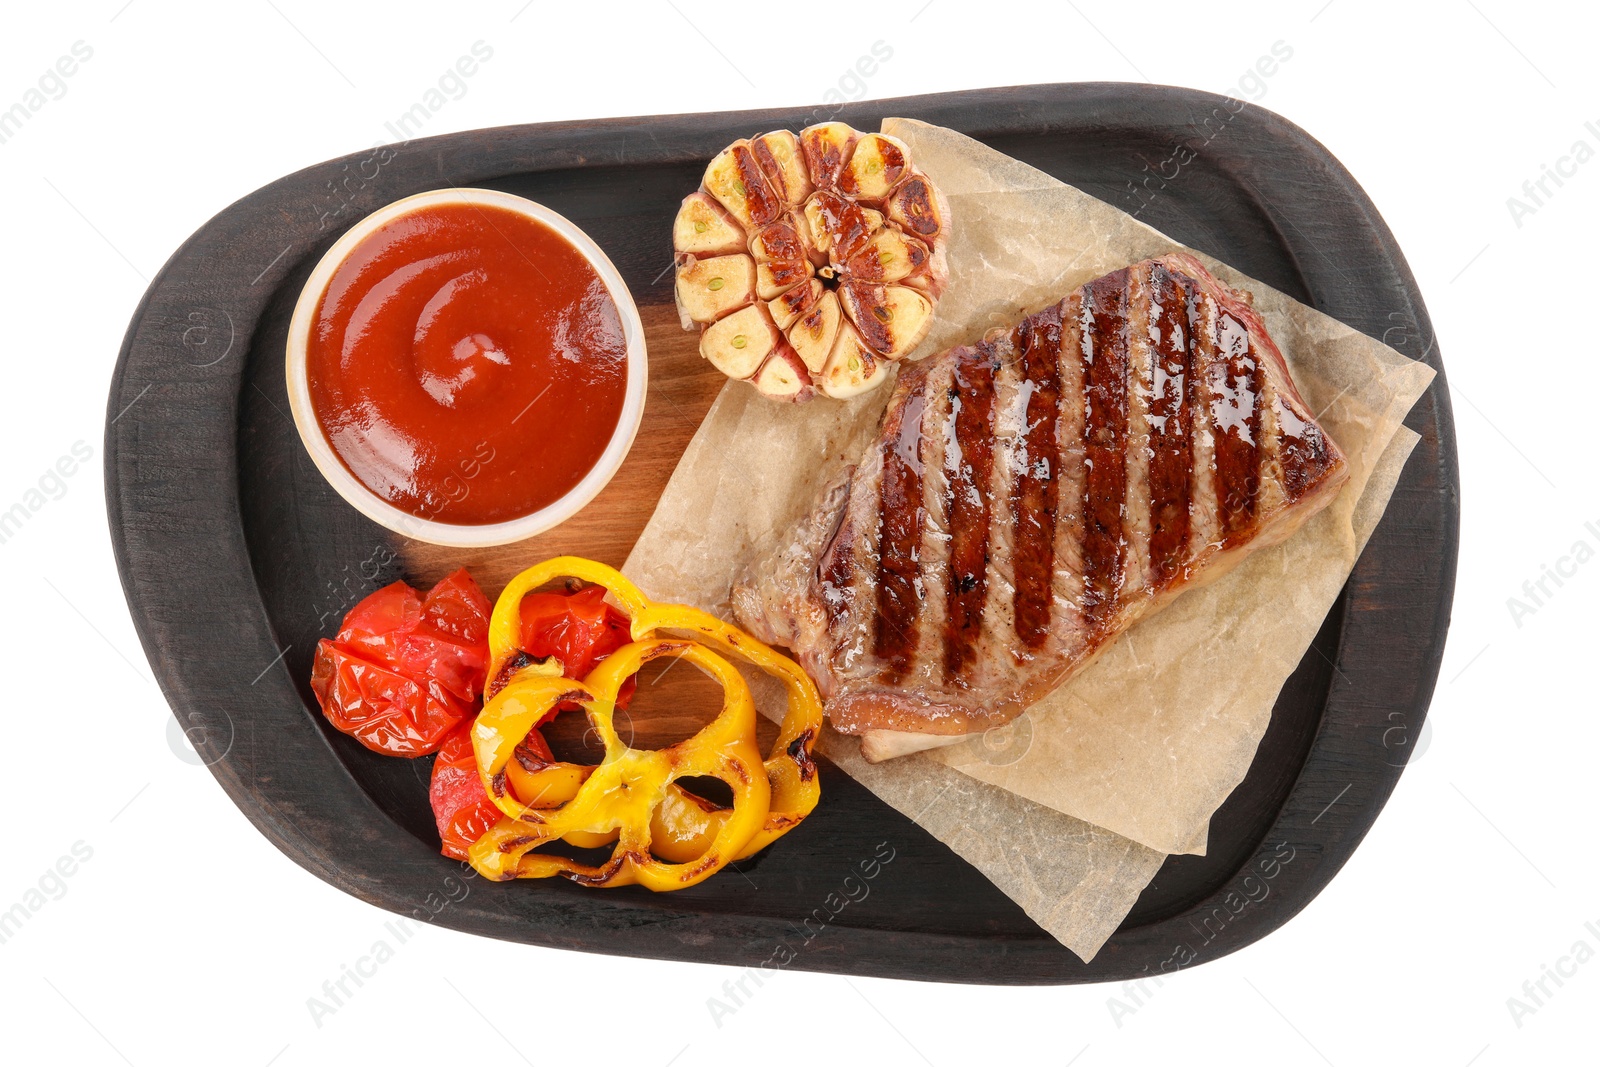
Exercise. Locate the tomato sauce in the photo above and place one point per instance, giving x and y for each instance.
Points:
(467, 364)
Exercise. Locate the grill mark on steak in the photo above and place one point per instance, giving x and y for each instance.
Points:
(1235, 388)
(1205, 532)
(999, 635)
(900, 522)
(836, 570)
(1136, 524)
(1270, 495)
(1171, 419)
(969, 464)
(1105, 351)
(935, 570)
(1071, 437)
(1036, 487)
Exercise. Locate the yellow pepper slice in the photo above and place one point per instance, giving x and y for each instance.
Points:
(624, 791)
(682, 828)
(790, 768)
(679, 830)
(505, 623)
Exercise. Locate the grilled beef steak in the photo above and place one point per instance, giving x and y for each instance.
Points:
(1030, 497)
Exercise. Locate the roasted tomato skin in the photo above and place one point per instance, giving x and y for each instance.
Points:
(404, 670)
(579, 629)
(461, 806)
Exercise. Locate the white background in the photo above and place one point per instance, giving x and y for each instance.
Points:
(186, 938)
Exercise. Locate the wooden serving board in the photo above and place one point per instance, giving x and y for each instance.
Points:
(236, 557)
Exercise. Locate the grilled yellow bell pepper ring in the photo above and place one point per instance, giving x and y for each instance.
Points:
(790, 767)
(681, 827)
(505, 623)
(624, 791)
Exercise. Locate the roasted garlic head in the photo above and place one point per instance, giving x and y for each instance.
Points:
(809, 261)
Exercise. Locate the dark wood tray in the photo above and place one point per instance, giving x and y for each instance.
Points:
(235, 556)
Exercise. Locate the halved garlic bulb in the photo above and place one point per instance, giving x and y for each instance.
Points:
(810, 261)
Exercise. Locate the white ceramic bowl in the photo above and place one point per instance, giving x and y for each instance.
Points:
(460, 535)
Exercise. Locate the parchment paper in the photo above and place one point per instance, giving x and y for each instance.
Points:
(1073, 809)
